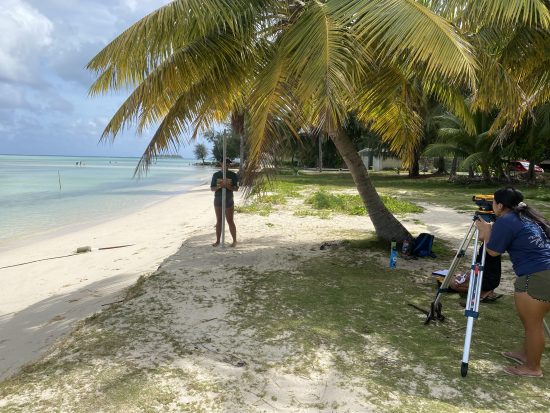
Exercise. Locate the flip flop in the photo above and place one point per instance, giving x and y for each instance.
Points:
(491, 298)
(516, 371)
(511, 355)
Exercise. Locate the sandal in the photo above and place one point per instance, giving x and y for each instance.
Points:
(512, 355)
(520, 371)
(491, 298)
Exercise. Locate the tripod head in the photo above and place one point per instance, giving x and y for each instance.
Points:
(485, 207)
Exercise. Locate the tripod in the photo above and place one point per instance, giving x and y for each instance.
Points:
(435, 307)
(474, 290)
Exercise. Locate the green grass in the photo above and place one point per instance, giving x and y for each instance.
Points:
(258, 208)
(435, 190)
(278, 191)
(351, 310)
(341, 312)
(353, 204)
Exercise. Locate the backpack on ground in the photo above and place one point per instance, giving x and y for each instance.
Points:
(423, 245)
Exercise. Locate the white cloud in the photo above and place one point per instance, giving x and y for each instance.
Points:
(12, 97)
(25, 31)
(44, 47)
(144, 6)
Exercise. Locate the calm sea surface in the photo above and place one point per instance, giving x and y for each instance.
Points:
(45, 194)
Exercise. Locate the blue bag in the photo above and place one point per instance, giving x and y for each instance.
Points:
(423, 246)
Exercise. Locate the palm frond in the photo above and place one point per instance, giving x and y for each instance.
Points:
(387, 105)
(452, 134)
(493, 12)
(398, 28)
(323, 61)
(268, 101)
(452, 97)
(443, 149)
(128, 59)
(472, 161)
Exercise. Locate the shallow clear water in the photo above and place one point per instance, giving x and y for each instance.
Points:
(42, 194)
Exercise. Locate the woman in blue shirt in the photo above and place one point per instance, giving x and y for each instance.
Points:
(525, 234)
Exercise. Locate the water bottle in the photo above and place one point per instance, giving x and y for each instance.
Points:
(393, 255)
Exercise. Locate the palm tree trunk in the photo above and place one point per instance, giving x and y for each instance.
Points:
(237, 126)
(241, 156)
(454, 167)
(486, 172)
(320, 161)
(414, 170)
(441, 165)
(385, 224)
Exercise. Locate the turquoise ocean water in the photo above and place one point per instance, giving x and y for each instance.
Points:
(40, 195)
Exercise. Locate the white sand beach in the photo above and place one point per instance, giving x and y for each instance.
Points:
(42, 301)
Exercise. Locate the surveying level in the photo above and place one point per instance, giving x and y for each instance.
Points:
(484, 202)
(485, 205)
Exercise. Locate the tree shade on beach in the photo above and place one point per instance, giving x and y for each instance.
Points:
(290, 64)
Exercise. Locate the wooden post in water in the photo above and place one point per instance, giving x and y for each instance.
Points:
(59, 179)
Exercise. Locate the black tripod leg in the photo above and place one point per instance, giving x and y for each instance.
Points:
(464, 369)
(435, 312)
(438, 308)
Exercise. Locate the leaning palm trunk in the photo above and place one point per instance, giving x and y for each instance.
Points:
(386, 225)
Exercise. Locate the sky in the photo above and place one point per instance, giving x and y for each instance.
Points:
(44, 104)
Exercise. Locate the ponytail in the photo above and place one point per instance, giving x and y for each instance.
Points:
(513, 199)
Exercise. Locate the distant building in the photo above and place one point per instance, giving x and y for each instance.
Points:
(375, 161)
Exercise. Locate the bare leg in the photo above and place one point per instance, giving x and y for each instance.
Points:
(531, 313)
(229, 212)
(218, 225)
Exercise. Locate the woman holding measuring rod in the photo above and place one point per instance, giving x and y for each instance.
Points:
(228, 180)
(525, 234)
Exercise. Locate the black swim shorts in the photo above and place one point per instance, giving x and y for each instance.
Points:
(228, 203)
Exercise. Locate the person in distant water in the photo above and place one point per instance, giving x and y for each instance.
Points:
(231, 185)
(525, 234)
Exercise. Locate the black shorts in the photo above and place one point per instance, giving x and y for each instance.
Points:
(228, 203)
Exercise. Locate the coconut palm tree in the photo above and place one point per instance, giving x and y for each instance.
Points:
(192, 62)
(456, 140)
(515, 75)
(512, 49)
